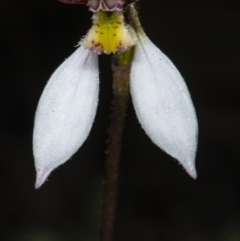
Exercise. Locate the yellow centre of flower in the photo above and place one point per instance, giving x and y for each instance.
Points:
(109, 33)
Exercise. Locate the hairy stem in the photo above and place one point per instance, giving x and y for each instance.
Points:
(121, 70)
(133, 19)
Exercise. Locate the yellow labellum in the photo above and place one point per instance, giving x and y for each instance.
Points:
(109, 33)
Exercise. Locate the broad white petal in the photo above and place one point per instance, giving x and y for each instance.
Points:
(65, 112)
(163, 104)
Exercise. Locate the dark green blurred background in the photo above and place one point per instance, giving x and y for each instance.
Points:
(157, 200)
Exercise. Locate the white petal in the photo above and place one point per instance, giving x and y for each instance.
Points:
(65, 112)
(163, 104)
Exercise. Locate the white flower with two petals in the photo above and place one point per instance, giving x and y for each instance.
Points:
(68, 104)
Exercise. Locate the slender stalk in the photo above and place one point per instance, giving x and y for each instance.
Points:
(121, 69)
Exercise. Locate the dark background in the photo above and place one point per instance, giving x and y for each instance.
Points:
(157, 199)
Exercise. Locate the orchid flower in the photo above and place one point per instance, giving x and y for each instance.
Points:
(68, 104)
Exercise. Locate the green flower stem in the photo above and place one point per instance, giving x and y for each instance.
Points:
(121, 71)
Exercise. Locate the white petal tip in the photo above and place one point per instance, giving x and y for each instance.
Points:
(42, 175)
(191, 170)
(193, 174)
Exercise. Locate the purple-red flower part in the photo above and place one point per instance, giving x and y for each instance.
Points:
(96, 5)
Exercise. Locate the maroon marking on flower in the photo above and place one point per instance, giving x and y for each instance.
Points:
(121, 49)
(99, 45)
